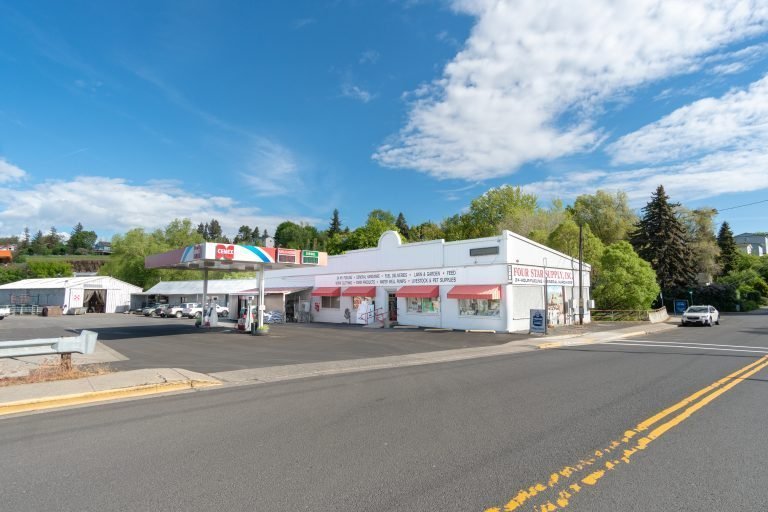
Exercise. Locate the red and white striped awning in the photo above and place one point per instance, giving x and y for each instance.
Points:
(475, 291)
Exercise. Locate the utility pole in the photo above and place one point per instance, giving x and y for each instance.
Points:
(581, 288)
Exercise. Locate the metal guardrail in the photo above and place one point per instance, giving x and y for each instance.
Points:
(622, 315)
(85, 343)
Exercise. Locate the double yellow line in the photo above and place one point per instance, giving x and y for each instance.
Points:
(562, 485)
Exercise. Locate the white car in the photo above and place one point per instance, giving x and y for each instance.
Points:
(197, 311)
(4, 312)
(178, 309)
(704, 315)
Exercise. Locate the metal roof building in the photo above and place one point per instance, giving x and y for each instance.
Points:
(98, 294)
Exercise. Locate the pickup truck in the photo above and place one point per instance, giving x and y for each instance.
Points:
(4, 312)
(178, 309)
(197, 311)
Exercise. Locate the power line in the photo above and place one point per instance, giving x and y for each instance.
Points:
(742, 205)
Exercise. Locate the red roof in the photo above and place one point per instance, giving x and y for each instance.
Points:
(418, 291)
(359, 291)
(475, 291)
(326, 292)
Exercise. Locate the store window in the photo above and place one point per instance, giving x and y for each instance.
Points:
(330, 302)
(423, 304)
(479, 307)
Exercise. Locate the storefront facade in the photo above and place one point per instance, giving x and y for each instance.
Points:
(482, 284)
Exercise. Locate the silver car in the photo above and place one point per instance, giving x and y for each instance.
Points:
(702, 315)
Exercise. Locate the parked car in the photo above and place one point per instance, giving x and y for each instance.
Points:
(704, 315)
(197, 311)
(4, 312)
(154, 309)
(178, 309)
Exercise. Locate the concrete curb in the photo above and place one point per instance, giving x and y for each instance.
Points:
(609, 336)
(188, 381)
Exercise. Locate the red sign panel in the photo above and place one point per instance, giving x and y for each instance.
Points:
(225, 252)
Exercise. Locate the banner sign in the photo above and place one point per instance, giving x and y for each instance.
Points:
(537, 324)
(446, 276)
(524, 274)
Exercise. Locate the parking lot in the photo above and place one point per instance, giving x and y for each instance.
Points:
(177, 343)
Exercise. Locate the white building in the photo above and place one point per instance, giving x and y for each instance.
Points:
(487, 283)
(752, 243)
(98, 294)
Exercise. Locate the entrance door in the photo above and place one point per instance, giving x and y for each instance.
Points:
(392, 307)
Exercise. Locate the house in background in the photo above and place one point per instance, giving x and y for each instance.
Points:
(752, 243)
(102, 248)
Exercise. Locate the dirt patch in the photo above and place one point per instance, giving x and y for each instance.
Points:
(52, 370)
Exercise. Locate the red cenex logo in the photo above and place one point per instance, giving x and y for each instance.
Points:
(225, 252)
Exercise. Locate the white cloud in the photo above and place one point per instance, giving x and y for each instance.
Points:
(736, 121)
(9, 172)
(271, 169)
(534, 73)
(369, 57)
(355, 92)
(712, 175)
(112, 205)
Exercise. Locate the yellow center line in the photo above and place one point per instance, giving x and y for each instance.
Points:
(560, 477)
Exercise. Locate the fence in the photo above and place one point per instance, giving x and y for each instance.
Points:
(629, 315)
(26, 309)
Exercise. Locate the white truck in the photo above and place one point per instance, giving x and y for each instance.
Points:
(4, 311)
(197, 311)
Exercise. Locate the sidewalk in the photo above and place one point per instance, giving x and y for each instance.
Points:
(136, 383)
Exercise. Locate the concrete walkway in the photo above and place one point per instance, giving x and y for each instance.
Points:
(136, 383)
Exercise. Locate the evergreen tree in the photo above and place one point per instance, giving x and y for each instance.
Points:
(335, 227)
(244, 235)
(660, 239)
(24, 244)
(402, 226)
(255, 236)
(728, 249)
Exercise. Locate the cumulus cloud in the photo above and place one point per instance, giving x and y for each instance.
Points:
(110, 205)
(534, 74)
(710, 176)
(736, 121)
(9, 172)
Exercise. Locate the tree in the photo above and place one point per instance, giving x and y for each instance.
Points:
(368, 235)
(46, 268)
(565, 238)
(660, 239)
(505, 207)
(425, 231)
(244, 235)
(335, 227)
(256, 236)
(37, 244)
(81, 241)
(626, 280)
(295, 236)
(728, 249)
(699, 224)
(215, 233)
(402, 226)
(608, 215)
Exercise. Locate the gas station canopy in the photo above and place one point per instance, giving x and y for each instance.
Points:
(234, 258)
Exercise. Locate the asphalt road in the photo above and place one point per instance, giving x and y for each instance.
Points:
(465, 436)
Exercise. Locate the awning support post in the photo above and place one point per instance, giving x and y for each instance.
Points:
(205, 295)
(261, 296)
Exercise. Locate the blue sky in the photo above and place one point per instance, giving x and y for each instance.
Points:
(122, 115)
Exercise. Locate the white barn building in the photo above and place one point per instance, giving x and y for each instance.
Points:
(97, 294)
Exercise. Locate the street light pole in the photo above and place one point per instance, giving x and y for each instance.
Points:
(581, 287)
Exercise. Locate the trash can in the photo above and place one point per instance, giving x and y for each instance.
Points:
(254, 325)
(45, 312)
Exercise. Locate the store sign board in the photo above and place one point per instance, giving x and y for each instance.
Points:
(537, 324)
(524, 274)
(394, 278)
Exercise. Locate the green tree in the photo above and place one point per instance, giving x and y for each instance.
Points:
(296, 236)
(728, 249)
(368, 235)
(402, 226)
(37, 244)
(425, 231)
(13, 273)
(81, 241)
(256, 235)
(660, 239)
(505, 207)
(565, 238)
(699, 224)
(608, 215)
(335, 226)
(626, 281)
(244, 235)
